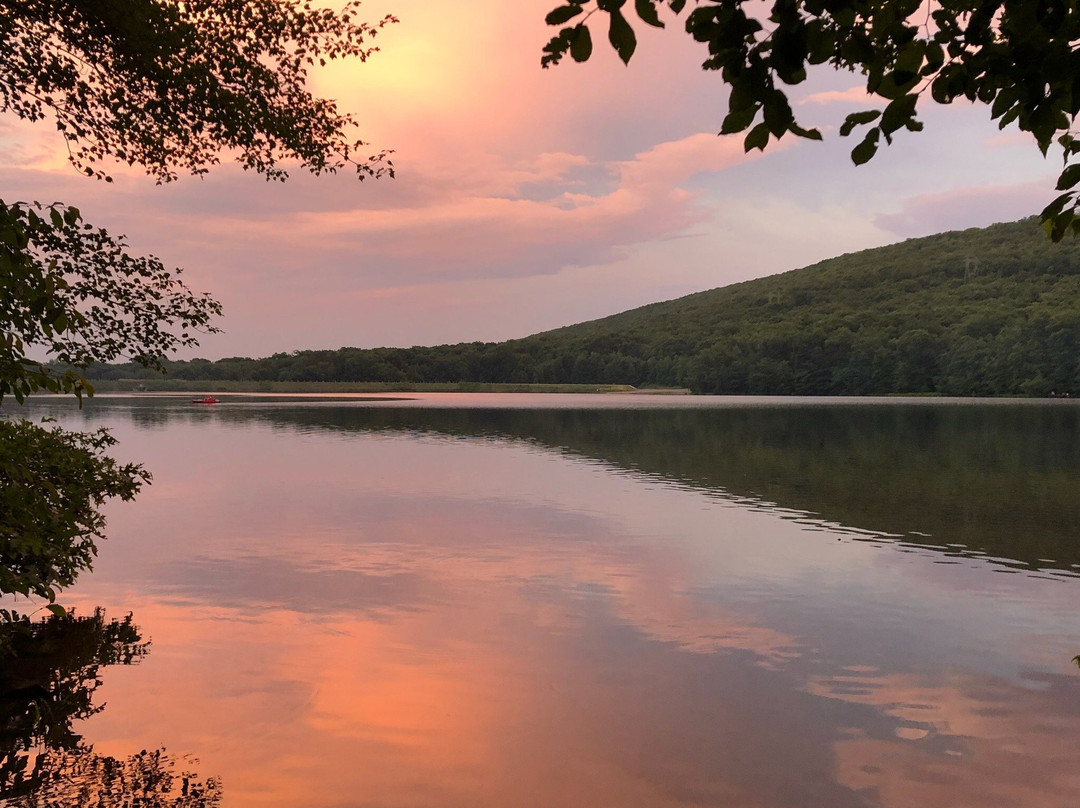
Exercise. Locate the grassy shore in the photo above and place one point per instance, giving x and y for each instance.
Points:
(184, 386)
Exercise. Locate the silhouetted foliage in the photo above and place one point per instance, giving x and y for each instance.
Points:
(52, 484)
(49, 675)
(72, 290)
(169, 86)
(1017, 56)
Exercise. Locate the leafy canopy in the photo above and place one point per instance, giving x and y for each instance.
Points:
(52, 484)
(169, 86)
(1018, 56)
(72, 290)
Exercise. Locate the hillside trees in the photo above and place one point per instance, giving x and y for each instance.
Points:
(170, 88)
(908, 318)
(1017, 56)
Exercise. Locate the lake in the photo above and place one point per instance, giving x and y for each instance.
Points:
(513, 600)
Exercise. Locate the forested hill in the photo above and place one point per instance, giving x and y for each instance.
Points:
(984, 311)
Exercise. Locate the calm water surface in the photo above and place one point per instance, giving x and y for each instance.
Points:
(597, 601)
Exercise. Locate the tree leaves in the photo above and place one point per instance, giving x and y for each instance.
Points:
(576, 40)
(867, 149)
(646, 11)
(899, 113)
(581, 44)
(560, 15)
(170, 86)
(757, 138)
(1069, 177)
(1019, 59)
(74, 291)
(621, 36)
(858, 119)
(738, 120)
(52, 484)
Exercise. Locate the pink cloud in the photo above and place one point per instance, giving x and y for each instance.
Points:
(493, 230)
(1010, 139)
(852, 95)
(961, 208)
(450, 224)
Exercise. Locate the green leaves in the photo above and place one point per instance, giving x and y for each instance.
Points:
(757, 138)
(235, 75)
(1060, 217)
(560, 15)
(738, 120)
(1069, 177)
(577, 41)
(73, 291)
(1022, 61)
(898, 112)
(581, 44)
(621, 36)
(646, 11)
(867, 149)
(52, 484)
(809, 134)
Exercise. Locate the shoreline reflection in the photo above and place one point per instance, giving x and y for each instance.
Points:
(550, 609)
(50, 671)
(965, 480)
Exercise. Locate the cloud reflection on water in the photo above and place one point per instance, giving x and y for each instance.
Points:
(394, 618)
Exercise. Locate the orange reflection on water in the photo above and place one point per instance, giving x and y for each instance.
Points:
(399, 621)
(491, 698)
(966, 741)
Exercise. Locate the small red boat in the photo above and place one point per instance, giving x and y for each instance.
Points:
(206, 400)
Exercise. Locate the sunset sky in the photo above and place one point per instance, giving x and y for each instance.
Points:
(527, 199)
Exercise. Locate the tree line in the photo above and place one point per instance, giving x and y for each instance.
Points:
(984, 312)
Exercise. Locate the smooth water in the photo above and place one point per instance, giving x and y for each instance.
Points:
(597, 600)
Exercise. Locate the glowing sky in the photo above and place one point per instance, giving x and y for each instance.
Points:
(526, 199)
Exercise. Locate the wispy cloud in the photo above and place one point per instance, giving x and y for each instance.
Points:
(852, 95)
(960, 208)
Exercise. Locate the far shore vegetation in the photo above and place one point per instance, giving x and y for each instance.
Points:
(983, 312)
(168, 385)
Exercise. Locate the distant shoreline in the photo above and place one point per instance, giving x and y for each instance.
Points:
(206, 386)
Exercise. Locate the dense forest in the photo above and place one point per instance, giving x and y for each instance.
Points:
(993, 311)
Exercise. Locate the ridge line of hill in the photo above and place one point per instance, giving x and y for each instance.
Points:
(988, 311)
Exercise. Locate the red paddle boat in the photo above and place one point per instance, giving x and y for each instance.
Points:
(206, 400)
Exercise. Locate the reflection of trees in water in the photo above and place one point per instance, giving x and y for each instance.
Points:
(993, 479)
(49, 675)
(82, 779)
